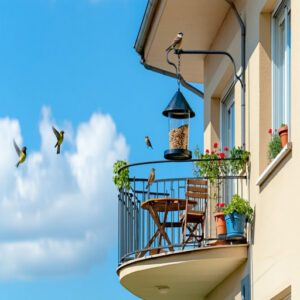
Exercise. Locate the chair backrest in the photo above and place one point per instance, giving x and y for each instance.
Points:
(196, 190)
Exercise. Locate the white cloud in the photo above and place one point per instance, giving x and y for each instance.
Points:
(58, 213)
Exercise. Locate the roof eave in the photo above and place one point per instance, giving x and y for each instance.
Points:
(145, 27)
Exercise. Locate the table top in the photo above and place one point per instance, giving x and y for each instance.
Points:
(173, 204)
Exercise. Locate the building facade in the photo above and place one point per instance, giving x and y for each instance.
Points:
(268, 265)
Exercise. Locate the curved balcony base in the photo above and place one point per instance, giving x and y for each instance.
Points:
(189, 274)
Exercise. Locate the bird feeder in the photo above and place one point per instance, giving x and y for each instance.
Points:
(179, 113)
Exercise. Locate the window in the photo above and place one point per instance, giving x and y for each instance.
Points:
(281, 57)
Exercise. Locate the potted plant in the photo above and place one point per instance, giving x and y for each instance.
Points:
(220, 220)
(239, 157)
(121, 178)
(283, 134)
(274, 146)
(237, 213)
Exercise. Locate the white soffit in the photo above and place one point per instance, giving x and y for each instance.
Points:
(199, 20)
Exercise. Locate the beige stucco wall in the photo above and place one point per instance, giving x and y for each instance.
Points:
(274, 261)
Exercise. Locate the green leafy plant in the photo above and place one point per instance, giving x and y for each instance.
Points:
(212, 164)
(240, 206)
(239, 160)
(274, 146)
(121, 179)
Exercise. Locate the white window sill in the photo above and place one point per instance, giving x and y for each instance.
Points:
(274, 163)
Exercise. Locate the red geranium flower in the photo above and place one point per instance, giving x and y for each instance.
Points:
(222, 155)
(270, 131)
(226, 149)
(212, 152)
(215, 145)
(207, 151)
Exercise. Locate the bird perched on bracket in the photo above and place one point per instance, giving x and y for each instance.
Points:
(148, 142)
(176, 42)
(151, 178)
(21, 154)
(59, 137)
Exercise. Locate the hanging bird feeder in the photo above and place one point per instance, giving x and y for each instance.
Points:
(179, 113)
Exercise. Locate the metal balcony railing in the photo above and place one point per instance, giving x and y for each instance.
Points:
(136, 225)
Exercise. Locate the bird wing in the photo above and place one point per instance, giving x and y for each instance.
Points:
(151, 177)
(17, 148)
(56, 132)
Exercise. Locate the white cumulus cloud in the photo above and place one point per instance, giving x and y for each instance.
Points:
(58, 213)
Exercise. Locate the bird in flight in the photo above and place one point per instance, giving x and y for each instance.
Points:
(148, 142)
(21, 153)
(176, 42)
(59, 137)
(151, 178)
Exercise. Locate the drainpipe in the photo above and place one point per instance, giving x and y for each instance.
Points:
(243, 66)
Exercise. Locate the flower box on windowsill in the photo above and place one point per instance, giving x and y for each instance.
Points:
(274, 163)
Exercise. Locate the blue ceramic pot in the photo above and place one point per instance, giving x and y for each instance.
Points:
(235, 224)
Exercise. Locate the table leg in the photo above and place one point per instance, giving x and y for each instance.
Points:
(160, 227)
(142, 253)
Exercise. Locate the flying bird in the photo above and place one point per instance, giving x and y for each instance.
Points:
(21, 154)
(148, 142)
(59, 137)
(151, 178)
(176, 42)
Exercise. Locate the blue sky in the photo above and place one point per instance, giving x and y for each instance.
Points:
(72, 64)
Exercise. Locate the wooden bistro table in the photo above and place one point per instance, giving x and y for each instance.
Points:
(156, 205)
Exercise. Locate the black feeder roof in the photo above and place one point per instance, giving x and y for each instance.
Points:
(178, 108)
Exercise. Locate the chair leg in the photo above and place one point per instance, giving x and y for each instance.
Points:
(183, 234)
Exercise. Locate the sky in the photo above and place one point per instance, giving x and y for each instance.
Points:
(72, 65)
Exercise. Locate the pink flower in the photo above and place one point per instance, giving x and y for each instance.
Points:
(215, 145)
(226, 149)
(270, 131)
(207, 151)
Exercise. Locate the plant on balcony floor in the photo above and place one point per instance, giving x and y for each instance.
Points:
(121, 179)
(274, 146)
(220, 220)
(237, 213)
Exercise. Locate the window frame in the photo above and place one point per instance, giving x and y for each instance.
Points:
(280, 15)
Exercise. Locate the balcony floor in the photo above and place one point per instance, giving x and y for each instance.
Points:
(189, 274)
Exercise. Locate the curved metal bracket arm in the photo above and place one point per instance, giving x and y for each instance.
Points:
(213, 52)
(171, 63)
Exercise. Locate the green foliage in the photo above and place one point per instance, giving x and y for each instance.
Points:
(240, 158)
(274, 146)
(121, 179)
(210, 166)
(214, 164)
(240, 206)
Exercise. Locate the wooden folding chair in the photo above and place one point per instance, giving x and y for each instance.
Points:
(195, 211)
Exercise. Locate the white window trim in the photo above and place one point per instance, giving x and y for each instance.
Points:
(275, 162)
(282, 4)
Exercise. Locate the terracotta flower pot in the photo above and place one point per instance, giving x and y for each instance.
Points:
(220, 224)
(283, 133)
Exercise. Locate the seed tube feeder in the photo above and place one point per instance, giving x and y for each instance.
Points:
(179, 113)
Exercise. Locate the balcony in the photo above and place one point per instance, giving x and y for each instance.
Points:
(153, 266)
